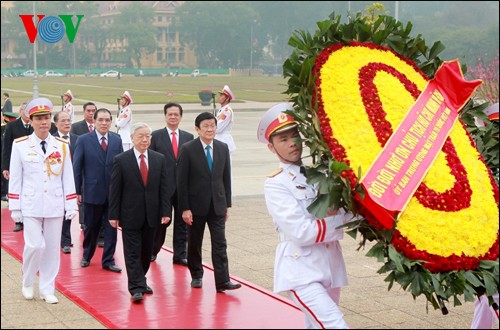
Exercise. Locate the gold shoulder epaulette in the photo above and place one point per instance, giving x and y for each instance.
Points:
(278, 171)
(22, 138)
(61, 139)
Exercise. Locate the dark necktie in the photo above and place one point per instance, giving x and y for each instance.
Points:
(209, 157)
(27, 126)
(91, 128)
(104, 145)
(66, 138)
(174, 144)
(43, 146)
(303, 171)
(144, 170)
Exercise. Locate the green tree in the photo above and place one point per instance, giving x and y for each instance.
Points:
(134, 25)
(218, 31)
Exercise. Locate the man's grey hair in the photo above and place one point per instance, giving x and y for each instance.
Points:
(137, 126)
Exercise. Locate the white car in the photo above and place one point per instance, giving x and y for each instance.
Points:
(29, 73)
(53, 74)
(110, 73)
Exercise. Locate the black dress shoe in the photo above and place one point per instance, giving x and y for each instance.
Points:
(196, 283)
(85, 263)
(148, 290)
(4, 198)
(100, 243)
(113, 268)
(19, 226)
(153, 257)
(182, 262)
(137, 297)
(66, 249)
(228, 286)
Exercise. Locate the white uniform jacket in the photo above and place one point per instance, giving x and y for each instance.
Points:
(309, 250)
(225, 123)
(124, 123)
(41, 185)
(69, 109)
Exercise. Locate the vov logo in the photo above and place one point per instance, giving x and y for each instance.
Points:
(51, 28)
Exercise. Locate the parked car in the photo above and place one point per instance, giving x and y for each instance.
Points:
(29, 73)
(53, 74)
(110, 73)
(195, 73)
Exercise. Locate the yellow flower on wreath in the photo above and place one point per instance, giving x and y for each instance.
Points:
(365, 91)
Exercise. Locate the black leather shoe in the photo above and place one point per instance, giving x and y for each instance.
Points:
(137, 297)
(196, 283)
(85, 263)
(113, 268)
(148, 290)
(66, 249)
(19, 226)
(228, 286)
(100, 243)
(4, 198)
(153, 257)
(182, 262)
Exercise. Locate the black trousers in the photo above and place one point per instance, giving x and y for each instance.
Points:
(95, 217)
(179, 239)
(217, 226)
(137, 249)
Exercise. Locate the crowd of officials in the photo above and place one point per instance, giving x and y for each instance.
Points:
(143, 181)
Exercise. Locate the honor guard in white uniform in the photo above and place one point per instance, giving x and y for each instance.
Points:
(68, 107)
(41, 190)
(225, 119)
(124, 120)
(309, 265)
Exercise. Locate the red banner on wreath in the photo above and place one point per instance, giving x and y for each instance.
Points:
(402, 164)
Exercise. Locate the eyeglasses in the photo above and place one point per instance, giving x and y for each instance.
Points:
(142, 136)
(64, 121)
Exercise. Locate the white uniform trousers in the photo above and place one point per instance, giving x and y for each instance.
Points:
(42, 238)
(320, 306)
(484, 314)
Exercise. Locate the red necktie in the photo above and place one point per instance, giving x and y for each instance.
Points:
(91, 128)
(174, 144)
(144, 170)
(104, 146)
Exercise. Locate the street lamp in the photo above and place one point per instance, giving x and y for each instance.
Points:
(35, 75)
(251, 49)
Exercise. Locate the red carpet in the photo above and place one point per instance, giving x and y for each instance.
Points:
(174, 303)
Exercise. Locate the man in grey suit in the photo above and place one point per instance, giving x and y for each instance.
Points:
(167, 141)
(139, 201)
(204, 193)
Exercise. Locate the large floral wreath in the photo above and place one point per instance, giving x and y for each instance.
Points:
(352, 84)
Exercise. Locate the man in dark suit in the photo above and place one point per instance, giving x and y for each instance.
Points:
(79, 128)
(15, 129)
(167, 141)
(139, 201)
(87, 124)
(92, 164)
(62, 120)
(7, 106)
(204, 192)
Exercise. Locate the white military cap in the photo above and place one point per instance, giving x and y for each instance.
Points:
(69, 94)
(275, 121)
(38, 106)
(127, 96)
(491, 112)
(227, 91)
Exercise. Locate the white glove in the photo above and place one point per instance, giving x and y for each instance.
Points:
(17, 216)
(349, 217)
(70, 215)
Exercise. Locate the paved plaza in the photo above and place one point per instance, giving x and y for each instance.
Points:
(366, 302)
